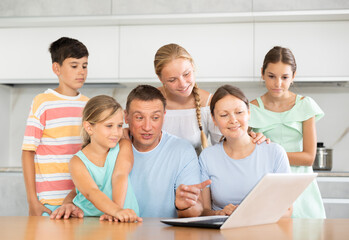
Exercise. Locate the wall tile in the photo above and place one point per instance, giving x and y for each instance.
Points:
(330, 99)
(40, 8)
(5, 97)
(297, 5)
(133, 7)
(14, 201)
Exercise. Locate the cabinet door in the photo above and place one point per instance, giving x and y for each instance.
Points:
(133, 7)
(220, 51)
(321, 49)
(20, 8)
(298, 5)
(25, 57)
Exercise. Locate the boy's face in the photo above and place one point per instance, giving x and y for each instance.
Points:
(72, 73)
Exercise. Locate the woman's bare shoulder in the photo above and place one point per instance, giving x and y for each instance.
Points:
(161, 88)
(255, 102)
(204, 97)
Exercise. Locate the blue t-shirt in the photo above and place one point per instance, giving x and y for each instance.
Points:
(156, 175)
(233, 179)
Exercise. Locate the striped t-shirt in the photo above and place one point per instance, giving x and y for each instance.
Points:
(53, 132)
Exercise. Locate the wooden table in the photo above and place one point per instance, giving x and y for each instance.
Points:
(91, 228)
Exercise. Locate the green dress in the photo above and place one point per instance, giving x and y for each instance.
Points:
(102, 177)
(286, 129)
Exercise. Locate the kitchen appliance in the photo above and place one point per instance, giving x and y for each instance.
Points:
(323, 158)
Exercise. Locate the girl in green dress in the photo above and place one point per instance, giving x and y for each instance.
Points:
(100, 169)
(289, 119)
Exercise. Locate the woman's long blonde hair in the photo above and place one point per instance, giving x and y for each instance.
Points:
(165, 55)
(93, 111)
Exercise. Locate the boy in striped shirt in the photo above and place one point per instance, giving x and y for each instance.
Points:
(52, 134)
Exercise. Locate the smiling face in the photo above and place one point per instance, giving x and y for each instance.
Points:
(278, 78)
(177, 77)
(72, 74)
(108, 132)
(145, 120)
(231, 115)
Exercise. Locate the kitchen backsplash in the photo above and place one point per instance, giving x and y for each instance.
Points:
(15, 103)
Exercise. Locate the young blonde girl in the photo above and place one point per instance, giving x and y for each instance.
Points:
(100, 170)
(289, 119)
(187, 111)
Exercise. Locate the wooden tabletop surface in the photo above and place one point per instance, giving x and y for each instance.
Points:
(91, 228)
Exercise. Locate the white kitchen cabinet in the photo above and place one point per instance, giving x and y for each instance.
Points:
(298, 5)
(25, 57)
(219, 50)
(335, 195)
(23, 8)
(321, 49)
(132, 7)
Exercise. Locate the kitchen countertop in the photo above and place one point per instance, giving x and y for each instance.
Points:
(14, 227)
(320, 173)
(332, 174)
(10, 169)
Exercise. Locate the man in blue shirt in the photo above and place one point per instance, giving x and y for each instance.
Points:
(166, 173)
(165, 166)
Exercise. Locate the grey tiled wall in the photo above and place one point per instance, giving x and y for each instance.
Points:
(13, 195)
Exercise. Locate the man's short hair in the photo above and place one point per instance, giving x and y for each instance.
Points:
(65, 47)
(145, 93)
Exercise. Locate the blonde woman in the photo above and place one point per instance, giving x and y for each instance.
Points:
(187, 111)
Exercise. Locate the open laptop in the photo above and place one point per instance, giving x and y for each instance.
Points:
(266, 203)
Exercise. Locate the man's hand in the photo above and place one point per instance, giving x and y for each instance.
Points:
(258, 137)
(227, 210)
(37, 209)
(66, 211)
(188, 195)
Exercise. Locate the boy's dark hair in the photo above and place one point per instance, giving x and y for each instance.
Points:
(65, 47)
(145, 93)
